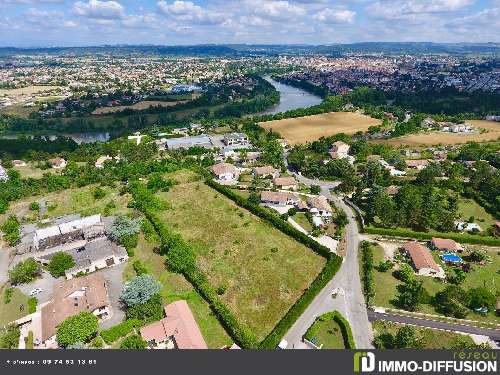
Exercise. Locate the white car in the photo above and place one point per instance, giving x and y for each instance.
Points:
(283, 344)
(36, 291)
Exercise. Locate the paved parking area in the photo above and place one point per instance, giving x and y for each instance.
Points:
(46, 283)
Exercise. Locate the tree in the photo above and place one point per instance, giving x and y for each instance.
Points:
(341, 219)
(11, 230)
(458, 277)
(125, 230)
(254, 198)
(411, 295)
(133, 342)
(452, 301)
(315, 189)
(405, 273)
(150, 310)
(477, 256)
(99, 193)
(481, 298)
(140, 290)
(406, 338)
(60, 263)
(79, 328)
(24, 271)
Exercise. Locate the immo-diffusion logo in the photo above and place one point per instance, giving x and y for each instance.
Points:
(364, 362)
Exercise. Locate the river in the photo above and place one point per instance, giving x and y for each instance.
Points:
(291, 98)
(77, 137)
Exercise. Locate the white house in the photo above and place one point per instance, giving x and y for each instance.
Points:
(319, 206)
(3, 174)
(339, 150)
(225, 172)
(58, 163)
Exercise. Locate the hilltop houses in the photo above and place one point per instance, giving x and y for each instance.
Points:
(266, 172)
(58, 163)
(286, 183)
(225, 172)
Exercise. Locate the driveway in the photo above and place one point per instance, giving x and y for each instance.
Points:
(114, 283)
(4, 263)
(352, 304)
(46, 283)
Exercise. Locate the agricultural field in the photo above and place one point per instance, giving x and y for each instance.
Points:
(491, 132)
(176, 287)
(385, 284)
(260, 271)
(137, 106)
(429, 338)
(311, 128)
(28, 90)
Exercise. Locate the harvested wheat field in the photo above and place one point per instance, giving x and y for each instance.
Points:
(137, 106)
(490, 132)
(311, 128)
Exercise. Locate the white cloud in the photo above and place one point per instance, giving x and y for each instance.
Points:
(328, 15)
(105, 10)
(407, 9)
(277, 10)
(187, 11)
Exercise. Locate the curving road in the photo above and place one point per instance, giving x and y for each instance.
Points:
(352, 304)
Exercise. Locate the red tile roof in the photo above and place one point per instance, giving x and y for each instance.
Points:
(420, 256)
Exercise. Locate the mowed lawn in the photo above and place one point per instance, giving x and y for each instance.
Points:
(15, 309)
(176, 287)
(311, 128)
(468, 208)
(261, 270)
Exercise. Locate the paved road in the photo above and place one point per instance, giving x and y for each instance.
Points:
(494, 334)
(352, 304)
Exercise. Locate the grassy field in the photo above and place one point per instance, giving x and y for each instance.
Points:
(176, 287)
(429, 338)
(328, 334)
(468, 208)
(79, 200)
(137, 106)
(12, 310)
(491, 132)
(261, 270)
(28, 90)
(385, 283)
(301, 219)
(311, 128)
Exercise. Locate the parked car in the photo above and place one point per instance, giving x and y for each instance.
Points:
(36, 291)
(282, 345)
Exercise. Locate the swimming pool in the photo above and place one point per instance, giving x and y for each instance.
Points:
(452, 258)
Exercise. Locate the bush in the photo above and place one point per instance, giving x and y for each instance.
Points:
(385, 266)
(98, 193)
(60, 263)
(79, 328)
(148, 311)
(367, 271)
(34, 206)
(7, 296)
(11, 230)
(481, 298)
(97, 343)
(139, 268)
(133, 342)
(24, 272)
(29, 340)
(9, 337)
(405, 273)
(345, 327)
(32, 303)
(140, 290)
(121, 330)
(452, 301)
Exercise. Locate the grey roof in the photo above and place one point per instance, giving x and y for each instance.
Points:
(188, 142)
(95, 251)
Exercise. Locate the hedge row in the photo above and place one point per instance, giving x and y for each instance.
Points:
(345, 327)
(120, 330)
(170, 241)
(367, 270)
(326, 274)
(465, 238)
(269, 216)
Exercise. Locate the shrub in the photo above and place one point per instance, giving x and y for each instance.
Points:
(32, 303)
(24, 272)
(112, 334)
(345, 327)
(148, 311)
(11, 230)
(29, 340)
(452, 301)
(97, 343)
(98, 193)
(133, 342)
(481, 298)
(7, 296)
(385, 266)
(34, 206)
(139, 268)
(79, 328)
(140, 290)
(367, 270)
(405, 273)
(9, 337)
(60, 263)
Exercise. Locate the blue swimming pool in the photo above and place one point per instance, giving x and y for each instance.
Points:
(452, 258)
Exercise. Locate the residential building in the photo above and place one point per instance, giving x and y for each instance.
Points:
(444, 244)
(102, 159)
(58, 163)
(177, 330)
(225, 172)
(4, 177)
(279, 198)
(18, 163)
(236, 139)
(319, 206)
(422, 260)
(72, 297)
(267, 171)
(339, 150)
(417, 164)
(286, 183)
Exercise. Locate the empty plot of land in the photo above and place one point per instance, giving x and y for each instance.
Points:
(28, 90)
(137, 106)
(490, 132)
(311, 128)
(259, 271)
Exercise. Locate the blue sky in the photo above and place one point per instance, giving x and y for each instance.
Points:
(30, 23)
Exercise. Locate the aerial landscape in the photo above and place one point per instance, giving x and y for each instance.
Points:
(220, 184)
